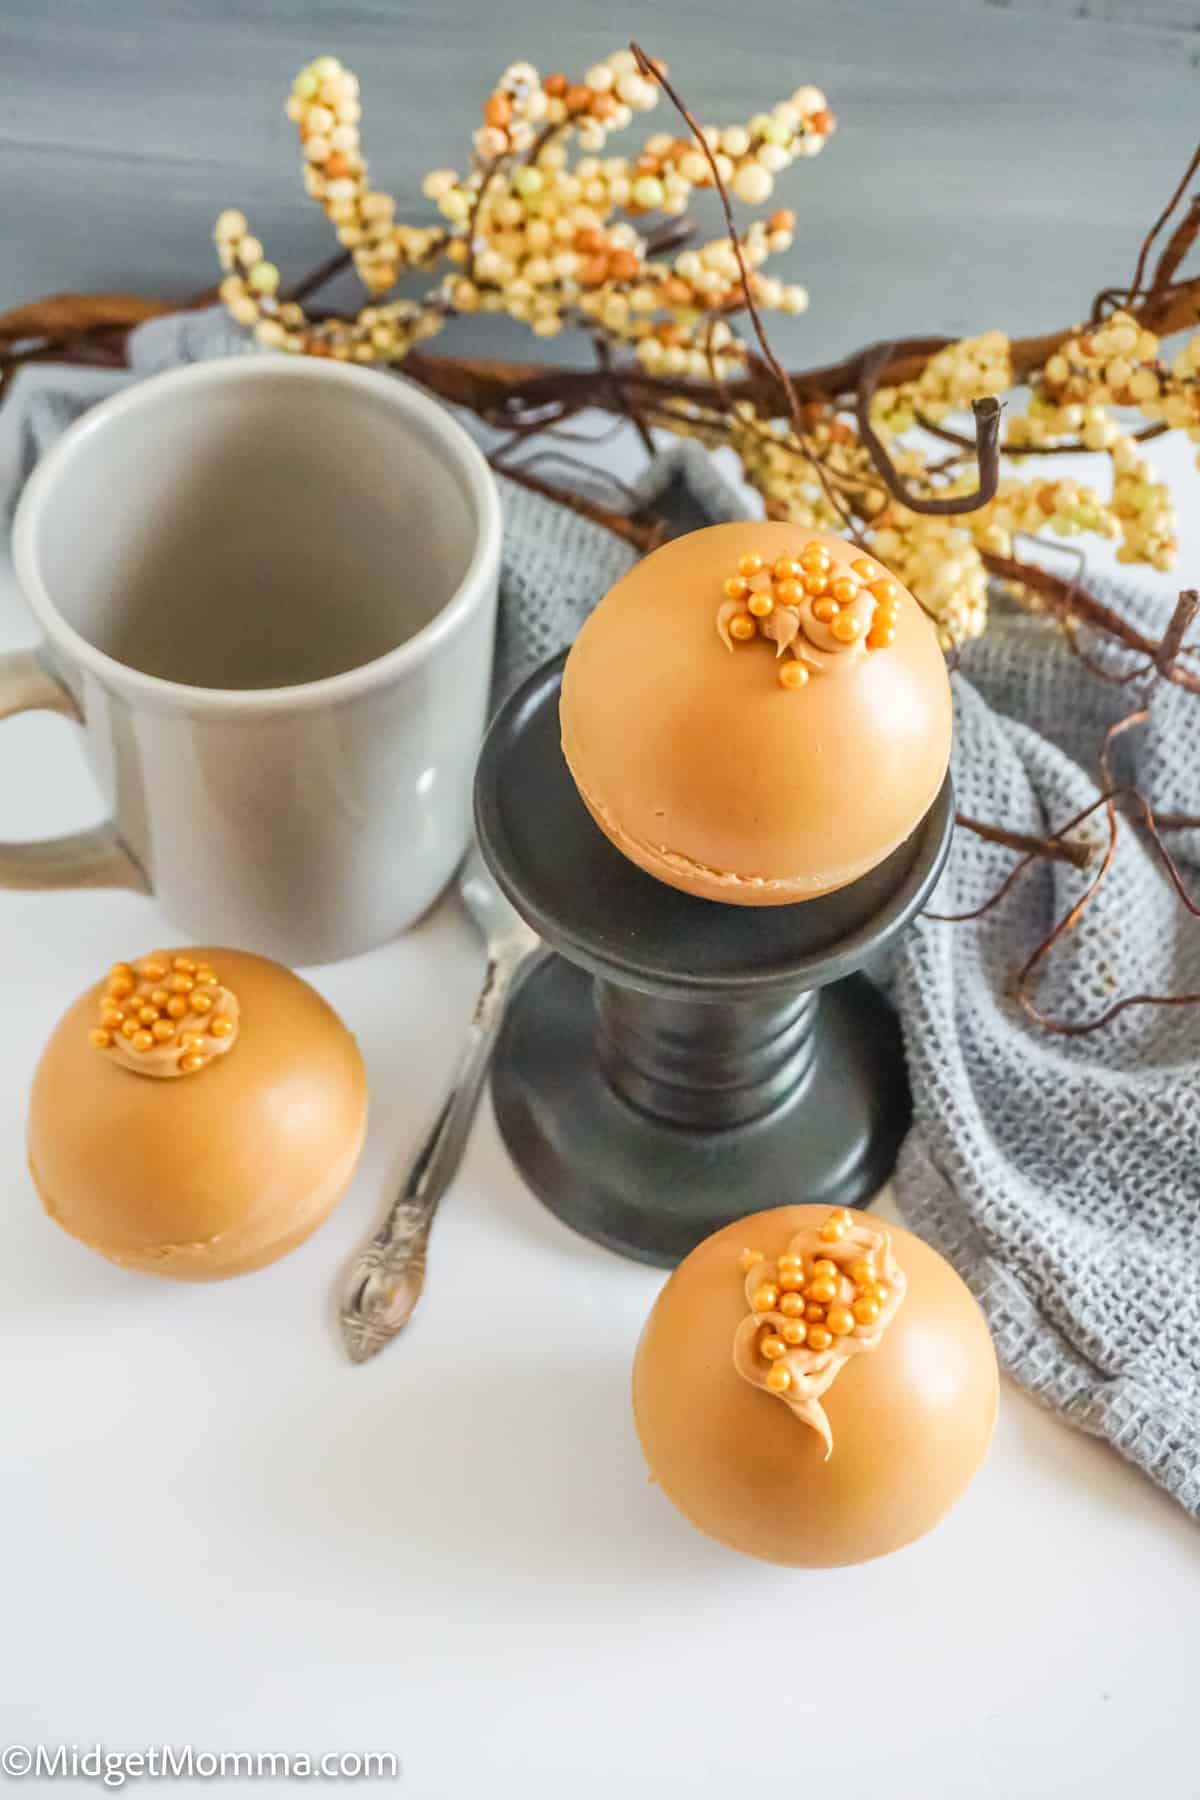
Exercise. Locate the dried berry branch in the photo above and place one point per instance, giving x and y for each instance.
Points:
(607, 244)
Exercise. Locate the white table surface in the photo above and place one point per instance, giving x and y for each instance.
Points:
(219, 1533)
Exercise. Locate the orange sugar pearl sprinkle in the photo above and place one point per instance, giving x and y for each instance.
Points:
(742, 628)
(779, 1380)
(192, 1061)
(825, 610)
(749, 1259)
(184, 965)
(865, 1310)
(789, 1260)
(846, 628)
(100, 1040)
(761, 605)
(221, 1028)
(142, 1041)
(765, 1298)
(162, 1031)
(844, 589)
(815, 582)
(735, 587)
(864, 569)
(863, 1270)
(816, 558)
(881, 637)
(786, 568)
(814, 1313)
(128, 1028)
(202, 1003)
(789, 592)
(840, 1321)
(773, 1347)
(794, 1332)
(791, 1280)
(885, 590)
(835, 1228)
(823, 1266)
(750, 564)
(792, 1305)
(819, 1337)
(824, 1289)
(182, 984)
(793, 675)
(153, 970)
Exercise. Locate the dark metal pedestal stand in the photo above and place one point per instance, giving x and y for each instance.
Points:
(679, 1063)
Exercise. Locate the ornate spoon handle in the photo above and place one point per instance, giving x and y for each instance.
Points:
(388, 1274)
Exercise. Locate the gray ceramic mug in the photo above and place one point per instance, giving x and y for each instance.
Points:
(267, 591)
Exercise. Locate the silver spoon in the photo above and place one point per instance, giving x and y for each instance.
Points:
(388, 1274)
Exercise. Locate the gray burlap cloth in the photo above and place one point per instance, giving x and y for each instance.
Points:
(1061, 1175)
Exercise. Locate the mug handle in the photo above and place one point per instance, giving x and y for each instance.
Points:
(83, 859)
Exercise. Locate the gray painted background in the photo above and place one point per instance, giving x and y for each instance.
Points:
(997, 161)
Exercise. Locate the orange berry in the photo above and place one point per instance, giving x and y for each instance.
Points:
(821, 122)
(783, 220)
(578, 98)
(623, 265)
(555, 86)
(497, 111)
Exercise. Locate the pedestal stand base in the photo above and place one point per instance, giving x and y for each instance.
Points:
(652, 1190)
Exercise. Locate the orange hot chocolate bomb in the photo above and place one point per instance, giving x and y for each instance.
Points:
(197, 1114)
(757, 714)
(814, 1388)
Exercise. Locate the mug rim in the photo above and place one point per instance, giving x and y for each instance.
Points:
(398, 391)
